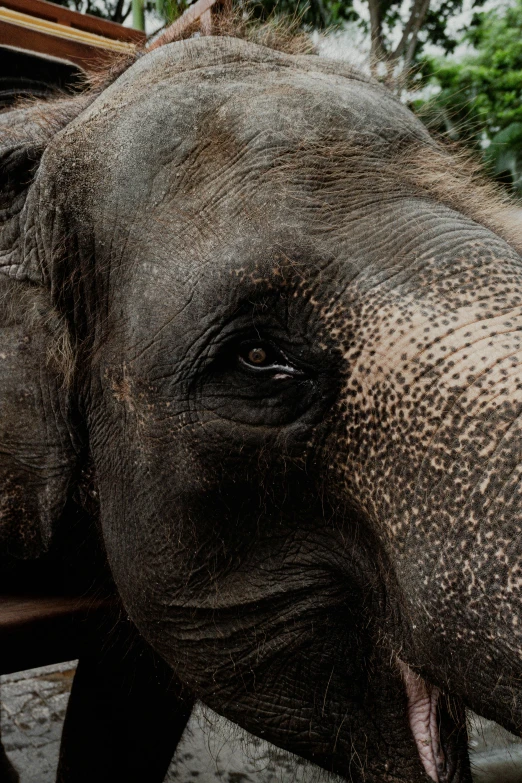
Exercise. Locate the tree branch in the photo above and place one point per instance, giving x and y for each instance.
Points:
(319, 12)
(411, 30)
(378, 50)
(117, 15)
(126, 13)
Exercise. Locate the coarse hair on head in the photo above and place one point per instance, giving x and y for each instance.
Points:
(281, 33)
(430, 168)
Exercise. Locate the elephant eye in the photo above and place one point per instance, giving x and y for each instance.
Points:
(264, 357)
(257, 356)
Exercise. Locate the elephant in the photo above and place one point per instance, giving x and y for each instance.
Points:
(261, 335)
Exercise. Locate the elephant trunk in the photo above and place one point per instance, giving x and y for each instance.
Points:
(458, 531)
(433, 432)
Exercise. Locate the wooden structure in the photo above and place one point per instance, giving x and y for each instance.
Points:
(40, 630)
(46, 28)
(24, 73)
(200, 12)
(44, 46)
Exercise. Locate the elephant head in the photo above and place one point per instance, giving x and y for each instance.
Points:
(292, 339)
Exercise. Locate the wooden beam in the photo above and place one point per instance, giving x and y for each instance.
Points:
(36, 631)
(64, 31)
(87, 57)
(64, 16)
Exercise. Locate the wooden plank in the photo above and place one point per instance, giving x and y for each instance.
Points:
(85, 56)
(63, 31)
(92, 24)
(36, 631)
(19, 610)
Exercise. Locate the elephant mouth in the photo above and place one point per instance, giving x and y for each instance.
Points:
(439, 735)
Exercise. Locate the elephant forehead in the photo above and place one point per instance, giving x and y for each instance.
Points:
(194, 93)
(230, 66)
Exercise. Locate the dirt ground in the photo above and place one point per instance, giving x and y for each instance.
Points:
(212, 750)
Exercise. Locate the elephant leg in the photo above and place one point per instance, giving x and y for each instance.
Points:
(8, 774)
(125, 716)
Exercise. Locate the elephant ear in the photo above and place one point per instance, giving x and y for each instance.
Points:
(25, 134)
(37, 453)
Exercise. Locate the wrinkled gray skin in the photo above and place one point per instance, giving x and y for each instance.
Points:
(295, 537)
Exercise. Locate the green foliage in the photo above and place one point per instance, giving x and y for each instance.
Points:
(435, 27)
(479, 97)
(169, 10)
(397, 31)
(504, 155)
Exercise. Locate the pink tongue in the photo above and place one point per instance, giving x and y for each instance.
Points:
(422, 712)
